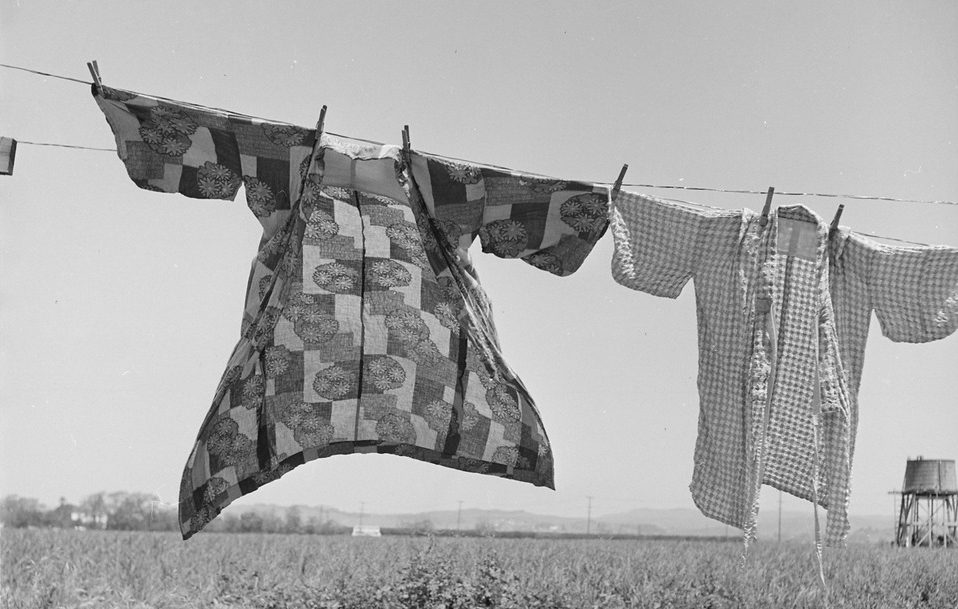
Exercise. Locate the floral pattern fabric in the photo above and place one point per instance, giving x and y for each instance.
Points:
(774, 401)
(365, 327)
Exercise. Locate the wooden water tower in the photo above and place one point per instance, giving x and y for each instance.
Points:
(929, 504)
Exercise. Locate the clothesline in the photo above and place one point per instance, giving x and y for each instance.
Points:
(705, 206)
(693, 203)
(82, 82)
(633, 185)
(796, 194)
(66, 146)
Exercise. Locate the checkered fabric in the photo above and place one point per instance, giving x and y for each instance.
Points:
(912, 290)
(365, 327)
(767, 339)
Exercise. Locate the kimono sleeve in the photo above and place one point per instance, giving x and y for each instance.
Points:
(656, 244)
(202, 153)
(914, 291)
(551, 224)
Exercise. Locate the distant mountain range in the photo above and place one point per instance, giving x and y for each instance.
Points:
(650, 522)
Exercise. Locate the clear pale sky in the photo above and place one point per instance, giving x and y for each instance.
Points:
(120, 306)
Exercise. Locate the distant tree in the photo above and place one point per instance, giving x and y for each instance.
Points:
(129, 511)
(420, 527)
(331, 527)
(61, 516)
(294, 520)
(273, 523)
(485, 527)
(313, 525)
(21, 512)
(94, 510)
(231, 523)
(251, 522)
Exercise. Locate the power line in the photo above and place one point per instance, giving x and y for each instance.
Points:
(588, 522)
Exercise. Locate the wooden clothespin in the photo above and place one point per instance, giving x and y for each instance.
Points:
(838, 215)
(95, 73)
(768, 206)
(320, 123)
(405, 145)
(618, 182)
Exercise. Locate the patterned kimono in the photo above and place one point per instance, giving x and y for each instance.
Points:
(912, 290)
(774, 402)
(365, 327)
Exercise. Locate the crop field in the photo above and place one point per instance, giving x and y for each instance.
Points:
(56, 568)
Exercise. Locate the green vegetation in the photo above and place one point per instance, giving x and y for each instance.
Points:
(63, 568)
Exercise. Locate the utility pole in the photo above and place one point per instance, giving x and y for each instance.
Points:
(588, 522)
(779, 516)
(458, 516)
(362, 509)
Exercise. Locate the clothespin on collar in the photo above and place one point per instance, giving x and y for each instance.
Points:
(320, 123)
(838, 215)
(768, 206)
(618, 182)
(95, 73)
(405, 145)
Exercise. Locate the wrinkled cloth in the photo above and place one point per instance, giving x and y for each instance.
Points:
(774, 402)
(913, 291)
(365, 326)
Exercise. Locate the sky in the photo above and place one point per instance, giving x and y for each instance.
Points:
(120, 307)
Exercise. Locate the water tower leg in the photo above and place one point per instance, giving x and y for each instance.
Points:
(904, 520)
(951, 521)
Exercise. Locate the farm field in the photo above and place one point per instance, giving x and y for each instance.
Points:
(57, 568)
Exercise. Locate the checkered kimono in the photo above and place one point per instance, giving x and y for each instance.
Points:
(774, 402)
(912, 290)
(365, 327)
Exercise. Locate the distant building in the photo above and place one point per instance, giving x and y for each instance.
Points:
(366, 531)
(83, 520)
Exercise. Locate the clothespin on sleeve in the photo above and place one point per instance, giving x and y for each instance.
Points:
(320, 125)
(838, 215)
(405, 145)
(618, 182)
(768, 206)
(95, 73)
